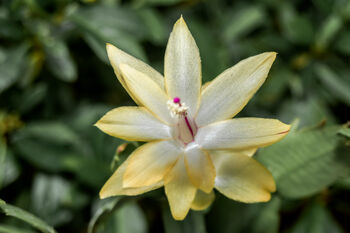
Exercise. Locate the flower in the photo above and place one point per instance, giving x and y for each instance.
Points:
(193, 144)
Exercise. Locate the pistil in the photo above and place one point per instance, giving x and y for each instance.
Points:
(185, 127)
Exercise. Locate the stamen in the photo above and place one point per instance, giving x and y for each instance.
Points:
(176, 108)
(185, 128)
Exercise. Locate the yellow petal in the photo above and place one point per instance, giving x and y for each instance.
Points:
(133, 124)
(117, 57)
(241, 133)
(202, 200)
(148, 163)
(182, 67)
(242, 178)
(247, 152)
(179, 190)
(200, 169)
(147, 92)
(114, 185)
(227, 94)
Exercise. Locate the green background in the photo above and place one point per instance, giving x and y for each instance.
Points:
(56, 82)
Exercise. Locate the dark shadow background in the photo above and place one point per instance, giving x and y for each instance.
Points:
(56, 82)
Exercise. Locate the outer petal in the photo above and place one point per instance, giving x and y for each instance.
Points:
(227, 94)
(148, 163)
(202, 200)
(241, 133)
(114, 185)
(179, 190)
(182, 67)
(200, 168)
(117, 57)
(146, 92)
(242, 178)
(133, 124)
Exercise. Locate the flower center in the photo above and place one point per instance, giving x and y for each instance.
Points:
(185, 128)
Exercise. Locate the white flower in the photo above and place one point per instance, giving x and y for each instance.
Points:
(193, 144)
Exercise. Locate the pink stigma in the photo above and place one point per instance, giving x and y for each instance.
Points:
(176, 100)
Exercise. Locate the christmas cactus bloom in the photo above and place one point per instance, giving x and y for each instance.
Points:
(193, 144)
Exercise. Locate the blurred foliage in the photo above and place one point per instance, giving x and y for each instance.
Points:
(55, 82)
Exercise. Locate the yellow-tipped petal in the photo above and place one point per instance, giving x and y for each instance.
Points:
(147, 92)
(117, 57)
(241, 133)
(148, 163)
(114, 185)
(133, 124)
(200, 168)
(202, 200)
(182, 67)
(242, 178)
(179, 190)
(227, 94)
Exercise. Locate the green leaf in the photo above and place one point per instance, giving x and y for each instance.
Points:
(12, 229)
(193, 223)
(103, 207)
(130, 219)
(82, 168)
(310, 111)
(345, 132)
(246, 20)
(333, 82)
(328, 31)
(59, 59)
(118, 26)
(118, 216)
(11, 66)
(3, 149)
(268, 218)
(31, 97)
(154, 23)
(43, 155)
(25, 216)
(55, 132)
(156, 2)
(297, 28)
(228, 216)
(9, 170)
(305, 162)
(316, 219)
(48, 198)
(342, 44)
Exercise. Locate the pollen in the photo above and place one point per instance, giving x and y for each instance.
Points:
(177, 108)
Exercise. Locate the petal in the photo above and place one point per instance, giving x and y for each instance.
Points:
(148, 163)
(202, 200)
(182, 67)
(227, 94)
(114, 185)
(147, 92)
(117, 57)
(249, 152)
(241, 133)
(179, 190)
(200, 169)
(133, 124)
(242, 178)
